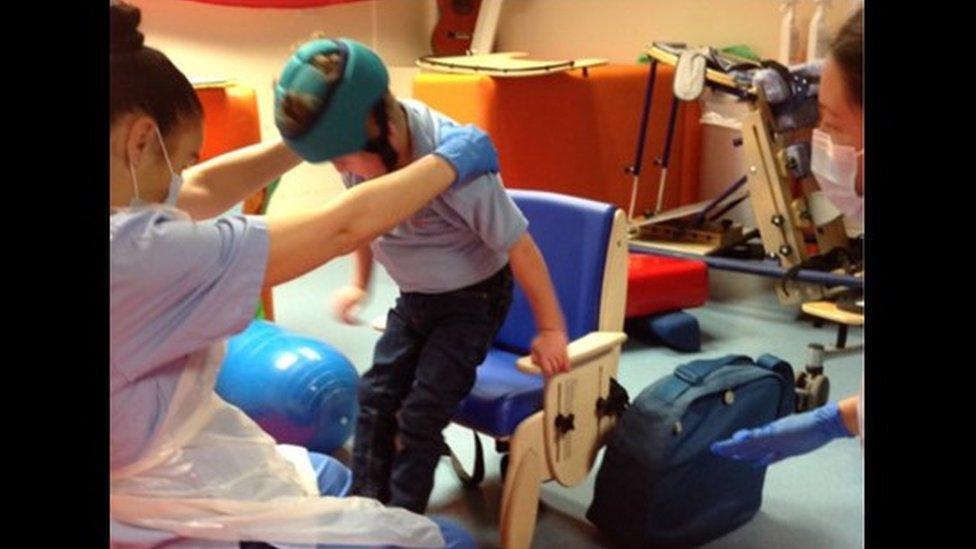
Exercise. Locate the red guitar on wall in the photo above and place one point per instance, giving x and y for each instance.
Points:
(455, 26)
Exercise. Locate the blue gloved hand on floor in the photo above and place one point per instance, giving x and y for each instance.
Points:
(789, 436)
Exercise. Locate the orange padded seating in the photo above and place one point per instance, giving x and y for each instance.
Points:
(575, 134)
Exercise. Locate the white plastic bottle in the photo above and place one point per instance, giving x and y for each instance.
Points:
(818, 38)
(789, 35)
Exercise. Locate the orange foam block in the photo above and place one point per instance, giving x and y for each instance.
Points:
(230, 117)
(230, 121)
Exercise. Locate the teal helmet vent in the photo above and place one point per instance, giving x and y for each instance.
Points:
(324, 96)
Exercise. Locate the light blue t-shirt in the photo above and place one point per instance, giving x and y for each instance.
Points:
(176, 287)
(461, 237)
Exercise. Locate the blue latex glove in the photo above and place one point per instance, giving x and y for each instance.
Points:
(469, 150)
(789, 436)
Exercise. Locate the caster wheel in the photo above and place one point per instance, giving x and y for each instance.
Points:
(503, 466)
(819, 388)
(802, 380)
(802, 392)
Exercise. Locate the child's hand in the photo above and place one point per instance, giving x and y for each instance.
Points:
(345, 303)
(549, 352)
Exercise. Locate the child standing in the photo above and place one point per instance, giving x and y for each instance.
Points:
(454, 262)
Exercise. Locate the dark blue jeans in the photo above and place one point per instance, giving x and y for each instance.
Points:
(423, 366)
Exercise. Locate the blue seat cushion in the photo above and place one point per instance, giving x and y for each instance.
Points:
(501, 398)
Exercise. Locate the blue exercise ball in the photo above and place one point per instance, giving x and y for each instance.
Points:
(297, 388)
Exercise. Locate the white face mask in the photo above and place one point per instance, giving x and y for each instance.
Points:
(175, 180)
(835, 167)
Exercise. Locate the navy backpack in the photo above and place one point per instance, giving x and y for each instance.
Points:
(659, 484)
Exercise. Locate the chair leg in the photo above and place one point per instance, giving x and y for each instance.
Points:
(841, 336)
(478, 473)
(527, 470)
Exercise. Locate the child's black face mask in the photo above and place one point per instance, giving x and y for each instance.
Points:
(381, 145)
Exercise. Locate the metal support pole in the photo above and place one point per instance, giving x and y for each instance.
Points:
(720, 198)
(635, 168)
(663, 161)
(762, 268)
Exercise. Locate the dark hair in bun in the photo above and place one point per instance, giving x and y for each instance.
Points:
(124, 23)
(142, 79)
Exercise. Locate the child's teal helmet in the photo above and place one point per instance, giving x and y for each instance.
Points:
(336, 106)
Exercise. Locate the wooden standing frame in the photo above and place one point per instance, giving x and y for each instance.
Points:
(771, 197)
(780, 217)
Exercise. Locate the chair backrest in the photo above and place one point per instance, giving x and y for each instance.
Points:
(583, 244)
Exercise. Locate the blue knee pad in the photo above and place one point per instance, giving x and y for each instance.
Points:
(334, 478)
(455, 536)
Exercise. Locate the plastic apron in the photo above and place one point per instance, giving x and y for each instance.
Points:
(212, 473)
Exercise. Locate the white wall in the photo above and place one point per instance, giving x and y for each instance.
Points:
(619, 29)
(252, 44)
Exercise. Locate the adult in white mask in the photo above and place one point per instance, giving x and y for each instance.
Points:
(837, 159)
(184, 464)
(838, 164)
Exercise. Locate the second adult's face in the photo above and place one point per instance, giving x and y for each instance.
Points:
(841, 116)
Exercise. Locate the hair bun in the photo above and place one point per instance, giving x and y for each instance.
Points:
(124, 23)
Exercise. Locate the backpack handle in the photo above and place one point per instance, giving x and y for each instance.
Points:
(694, 373)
